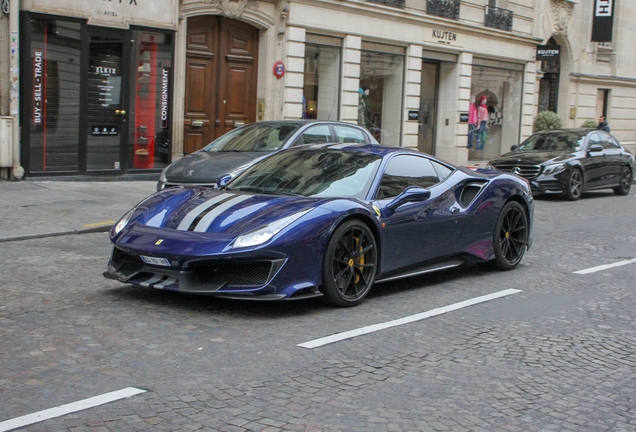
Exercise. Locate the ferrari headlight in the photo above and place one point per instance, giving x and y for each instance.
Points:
(262, 235)
(553, 169)
(123, 221)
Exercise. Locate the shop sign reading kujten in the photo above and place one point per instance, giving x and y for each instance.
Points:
(114, 13)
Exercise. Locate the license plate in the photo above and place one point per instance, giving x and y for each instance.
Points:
(155, 261)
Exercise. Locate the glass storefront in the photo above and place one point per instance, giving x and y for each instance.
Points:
(53, 96)
(500, 88)
(150, 146)
(321, 78)
(381, 90)
(94, 103)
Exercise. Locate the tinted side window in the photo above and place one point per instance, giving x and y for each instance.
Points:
(442, 170)
(315, 134)
(347, 134)
(404, 171)
(610, 143)
(593, 139)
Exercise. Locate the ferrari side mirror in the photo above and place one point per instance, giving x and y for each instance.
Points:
(223, 181)
(410, 194)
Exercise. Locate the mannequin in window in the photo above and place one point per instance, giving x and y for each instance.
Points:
(472, 121)
(364, 108)
(482, 122)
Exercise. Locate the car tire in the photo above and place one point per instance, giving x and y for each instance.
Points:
(510, 236)
(574, 185)
(625, 183)
(349, 265)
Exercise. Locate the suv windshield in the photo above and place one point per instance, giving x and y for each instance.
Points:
(324, 173)
(254, 137)
(554, 141)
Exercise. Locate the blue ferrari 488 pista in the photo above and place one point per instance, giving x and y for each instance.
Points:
(326, 220)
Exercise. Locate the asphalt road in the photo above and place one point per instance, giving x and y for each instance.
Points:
(559, 354)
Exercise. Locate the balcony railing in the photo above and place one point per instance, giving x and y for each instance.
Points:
(443, 8)
(392, 3)
(498, 18)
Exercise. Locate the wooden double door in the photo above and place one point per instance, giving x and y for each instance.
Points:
(221, 78)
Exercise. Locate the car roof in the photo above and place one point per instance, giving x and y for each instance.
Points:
(301, 122)
(571, 130)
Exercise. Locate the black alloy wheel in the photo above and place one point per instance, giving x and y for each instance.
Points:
(626, 182)
(511, 236)
(574, 186)
(350, 264)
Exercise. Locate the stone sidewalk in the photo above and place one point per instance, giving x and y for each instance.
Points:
(31, 209)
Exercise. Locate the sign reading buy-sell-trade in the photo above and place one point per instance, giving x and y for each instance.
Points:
(112, 13)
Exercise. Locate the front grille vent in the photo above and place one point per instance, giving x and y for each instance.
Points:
(527, 171)
(248, 274)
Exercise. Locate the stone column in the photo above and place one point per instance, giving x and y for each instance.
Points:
(530, 99)
(294, 75)
(411, 101)
(464, 79)
(350, 78)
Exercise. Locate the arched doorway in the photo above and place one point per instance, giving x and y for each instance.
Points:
(221, 78)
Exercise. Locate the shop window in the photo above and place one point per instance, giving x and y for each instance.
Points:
(321, 78)
(151, 133)
(53, 105)
(501, 87)
(380, 92)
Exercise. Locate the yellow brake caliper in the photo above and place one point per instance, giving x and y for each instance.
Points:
(360, 260)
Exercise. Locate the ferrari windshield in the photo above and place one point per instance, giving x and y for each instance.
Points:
(254, 137)
(311, 172)
(554, 141)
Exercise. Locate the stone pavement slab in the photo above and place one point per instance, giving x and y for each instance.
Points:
(30, 209)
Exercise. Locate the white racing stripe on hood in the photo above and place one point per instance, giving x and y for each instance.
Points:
(207, 220)
(190, 217)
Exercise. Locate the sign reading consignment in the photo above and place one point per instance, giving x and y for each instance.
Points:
(113, 13)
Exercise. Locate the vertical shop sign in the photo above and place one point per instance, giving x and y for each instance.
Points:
(603, 21)
(39, 87)
(165, 106)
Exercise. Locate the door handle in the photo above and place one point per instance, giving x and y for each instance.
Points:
(197, 123)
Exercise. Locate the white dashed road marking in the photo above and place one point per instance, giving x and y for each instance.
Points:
(406, 320)
(605, 267)
(68, 408)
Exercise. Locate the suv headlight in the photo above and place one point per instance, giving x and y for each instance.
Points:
(262, 235)
(553, 169)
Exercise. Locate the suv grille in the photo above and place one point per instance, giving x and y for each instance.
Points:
(527, 171)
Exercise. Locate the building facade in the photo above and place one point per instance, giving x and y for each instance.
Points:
(591, 78)
(123, 87)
